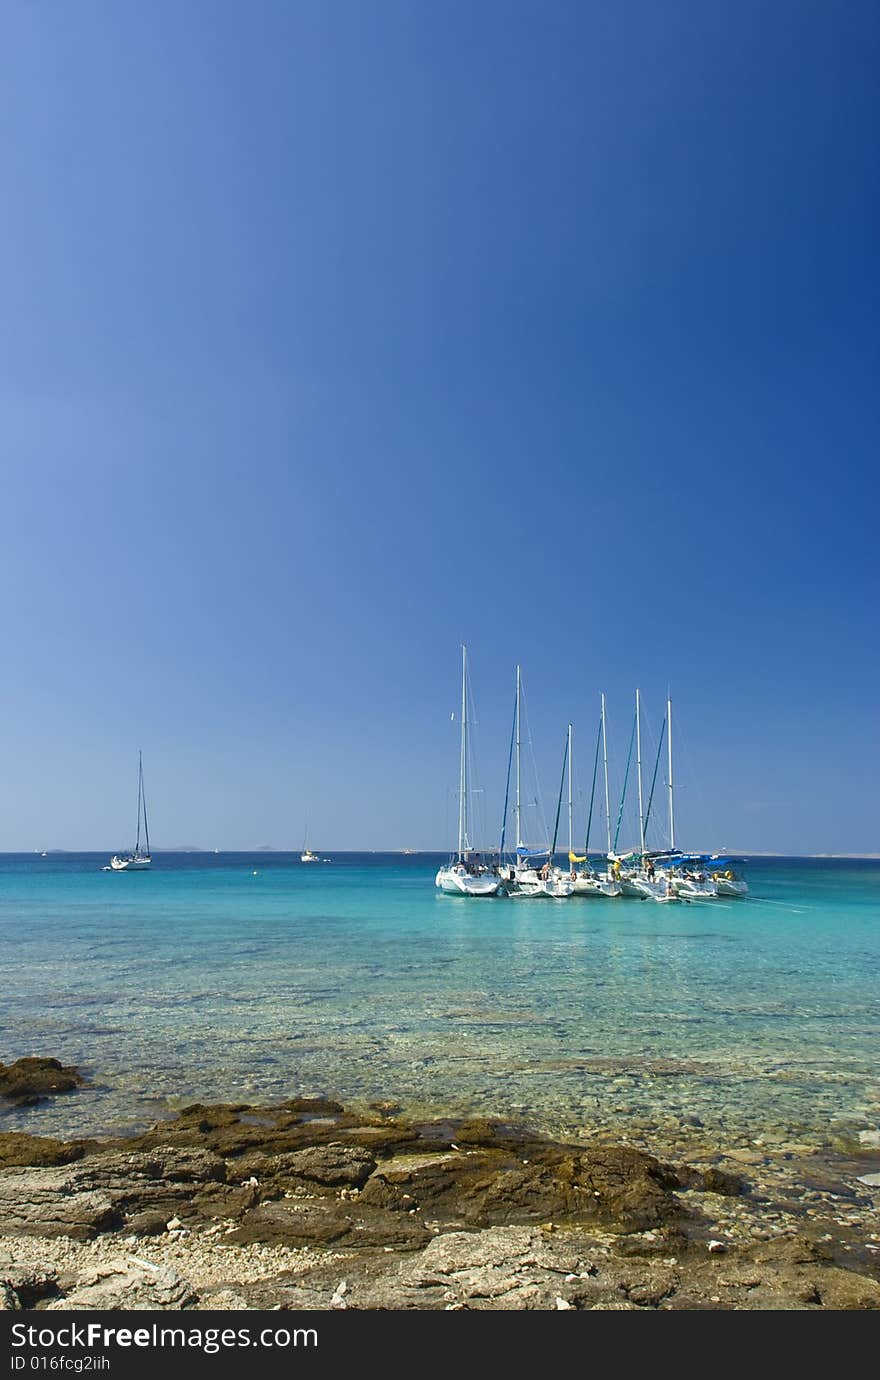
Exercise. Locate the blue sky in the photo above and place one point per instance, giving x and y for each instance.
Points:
(334, 335)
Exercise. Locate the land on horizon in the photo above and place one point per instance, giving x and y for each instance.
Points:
(412, 852)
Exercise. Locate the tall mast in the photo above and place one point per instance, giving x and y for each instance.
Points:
(462, 771)
(137, 846)
(639, 768)
(570, 837)
(144, 799)
(669, 750)
(516, 808)
(605, 755)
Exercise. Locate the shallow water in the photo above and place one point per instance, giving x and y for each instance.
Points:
(202, 981)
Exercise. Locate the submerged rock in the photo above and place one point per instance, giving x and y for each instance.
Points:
(33, 1079)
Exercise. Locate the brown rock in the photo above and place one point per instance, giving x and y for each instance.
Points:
(32, 1079)
(17, 1147)
(327, 1222)
(96, 1193)
(845, 1290)
(333, 1165)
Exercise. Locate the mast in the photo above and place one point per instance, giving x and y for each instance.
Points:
(137, 846)
(639, 769)
(144, 799)
(669, 751)
(570, 837)
(605, 755)
(462, 770)
(507, 791)
(559, 797)
(516, 808)
(592, 796)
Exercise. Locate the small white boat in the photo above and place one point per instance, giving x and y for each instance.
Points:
(467, 877)
(139, 859)
(308, 856)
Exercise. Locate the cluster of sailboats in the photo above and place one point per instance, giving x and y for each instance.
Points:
(662, 875)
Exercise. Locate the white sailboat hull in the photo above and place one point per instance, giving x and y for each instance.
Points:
(695, 891)
(595, 886)
(129, 864)
(457, 881)
(629, 887)
(652, 890)
(731, 886)
(528, 882)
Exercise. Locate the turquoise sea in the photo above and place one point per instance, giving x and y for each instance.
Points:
(251, 976)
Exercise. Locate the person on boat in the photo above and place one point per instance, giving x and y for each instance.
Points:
(545, 872)
(649, 869)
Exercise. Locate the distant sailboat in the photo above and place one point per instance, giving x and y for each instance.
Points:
(139, 859)
(307, 855)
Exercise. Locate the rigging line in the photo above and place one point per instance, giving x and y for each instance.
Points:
(654, 777)
(539, 799)
(144, 798)
(474, 813)
(137, 846)
(507, 784)
(559, 797)
(593, 789)
(632, 738)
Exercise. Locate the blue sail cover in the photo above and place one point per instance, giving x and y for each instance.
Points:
(676, 858)
(533, 852)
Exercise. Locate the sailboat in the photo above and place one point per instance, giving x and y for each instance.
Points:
(640, 879)
(728, 882)
(307, 855)
(588, 882)
(465, 874)
(523, 876)
(140, 858)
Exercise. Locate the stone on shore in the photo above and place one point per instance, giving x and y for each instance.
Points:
(306, 1205)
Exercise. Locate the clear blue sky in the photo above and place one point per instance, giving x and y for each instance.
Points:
(335, 334)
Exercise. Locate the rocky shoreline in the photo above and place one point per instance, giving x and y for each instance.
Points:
(306, 1204)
